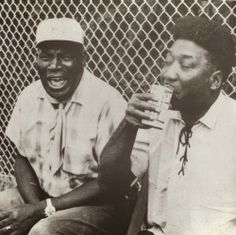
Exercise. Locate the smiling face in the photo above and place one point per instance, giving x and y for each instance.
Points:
(60, 67)
(187, 72)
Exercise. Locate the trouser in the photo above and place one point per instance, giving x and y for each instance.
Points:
(145, 232)
(84, 220)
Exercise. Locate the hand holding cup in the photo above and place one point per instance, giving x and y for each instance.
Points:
(144, 110)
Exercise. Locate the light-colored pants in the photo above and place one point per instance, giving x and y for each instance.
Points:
(84, 220)
(10, 198)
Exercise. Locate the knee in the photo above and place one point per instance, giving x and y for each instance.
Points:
(55, 227)
(43, 227)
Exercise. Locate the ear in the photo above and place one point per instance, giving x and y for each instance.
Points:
(36, 65)
(84, 57)
(216, 80)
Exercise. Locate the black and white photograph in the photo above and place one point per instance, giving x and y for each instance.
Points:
(118, 117)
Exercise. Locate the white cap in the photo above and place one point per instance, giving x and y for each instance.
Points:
(59, 29)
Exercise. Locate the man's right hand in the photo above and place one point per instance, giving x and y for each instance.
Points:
(20, 220)
(138, 104)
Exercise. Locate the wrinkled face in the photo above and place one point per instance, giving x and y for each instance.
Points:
(187, 71)
(60, 69)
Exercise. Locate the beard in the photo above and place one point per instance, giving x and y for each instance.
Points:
(183, 104)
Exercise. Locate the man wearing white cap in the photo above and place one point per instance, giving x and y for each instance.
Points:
(59, 126)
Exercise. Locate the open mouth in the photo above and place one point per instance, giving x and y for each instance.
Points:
(57, 83)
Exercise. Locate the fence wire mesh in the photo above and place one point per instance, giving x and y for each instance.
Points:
(126, 42)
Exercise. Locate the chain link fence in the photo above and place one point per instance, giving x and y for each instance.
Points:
(126, 42)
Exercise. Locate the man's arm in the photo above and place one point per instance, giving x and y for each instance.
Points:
(115, 165)
(115, 173)
(31, 191)
(22, 218)
(27, 180)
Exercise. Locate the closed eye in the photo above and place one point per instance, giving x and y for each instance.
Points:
(169, 59)
(187, 66)
(67, 58)
(44, 57)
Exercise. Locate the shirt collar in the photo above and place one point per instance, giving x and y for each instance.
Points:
(79, 95)
(210, 117)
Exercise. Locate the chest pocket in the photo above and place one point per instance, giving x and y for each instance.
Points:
(36, 125)
(35, 137)
(79, 153)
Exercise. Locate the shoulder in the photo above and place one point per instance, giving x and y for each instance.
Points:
(227, 117)
(32, 90)
(102, 89)
(229, 105)
(103, 86)
(30, 93)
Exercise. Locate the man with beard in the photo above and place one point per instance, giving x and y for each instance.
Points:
(191, 162)
(59, 126)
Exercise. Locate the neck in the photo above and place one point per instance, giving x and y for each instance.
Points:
(192, 115)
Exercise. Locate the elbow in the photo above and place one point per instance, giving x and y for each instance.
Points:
(113, 185)
(105, 182)
(109, 186)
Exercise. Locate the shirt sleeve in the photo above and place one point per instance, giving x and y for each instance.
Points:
(140, 152)
(111, 115)
(14, 128)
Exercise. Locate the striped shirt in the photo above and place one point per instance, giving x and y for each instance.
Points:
(91, 116)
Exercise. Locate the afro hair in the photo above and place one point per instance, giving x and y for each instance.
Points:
(210, 35)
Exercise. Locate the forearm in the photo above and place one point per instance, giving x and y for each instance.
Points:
(87, 194)
(115, 165)
(31, 192)
(27, 181)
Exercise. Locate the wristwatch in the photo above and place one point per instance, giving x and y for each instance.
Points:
(50, 209)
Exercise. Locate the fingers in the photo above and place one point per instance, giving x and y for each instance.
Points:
(138, 114)
(136, 123)
(6, 230)
(145, 96)
(7, 221)
(141, 107)
(146, 106)
(144, 102)
(4, 214)
(4, 223)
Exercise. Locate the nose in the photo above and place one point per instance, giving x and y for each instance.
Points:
(55, 63)
(169, 73)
